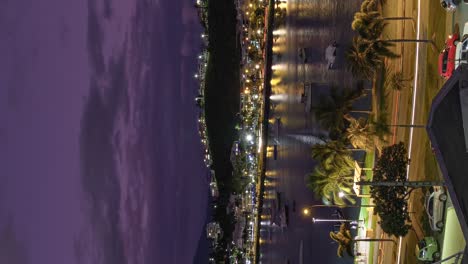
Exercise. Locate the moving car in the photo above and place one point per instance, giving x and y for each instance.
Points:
(428, 249)
(447, 56)
(435, 208)
(449, 5)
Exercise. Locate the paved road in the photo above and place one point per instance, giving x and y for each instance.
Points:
(312, 25)
(426, 70)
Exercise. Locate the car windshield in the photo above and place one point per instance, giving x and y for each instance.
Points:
(464, 55)
(444, 62)
(421, 254)
(430, 206)
(422, 244)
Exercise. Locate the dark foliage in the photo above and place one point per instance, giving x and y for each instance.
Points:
(391, 201)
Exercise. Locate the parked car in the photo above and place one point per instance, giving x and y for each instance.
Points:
(427, 249)
(447, 56)
(449, 5)
(461, 53)
(435, 208)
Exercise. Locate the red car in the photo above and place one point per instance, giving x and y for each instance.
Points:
(447, 56)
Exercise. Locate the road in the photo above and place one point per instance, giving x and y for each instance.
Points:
(312, 25)
(427, 84)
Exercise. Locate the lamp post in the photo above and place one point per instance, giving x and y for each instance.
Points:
(343, 194)
(306, 210)
(317, 220)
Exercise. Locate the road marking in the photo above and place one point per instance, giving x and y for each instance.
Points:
(413, 110)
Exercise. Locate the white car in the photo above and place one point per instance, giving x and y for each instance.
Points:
(330, 55)
(461, 53)
(435, 208)
(449, 5)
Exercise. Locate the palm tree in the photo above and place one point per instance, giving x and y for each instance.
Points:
(332, 154)
(329, 183)
(366, 56)
(336, 106)
(370, 25)
(344, 240)
(361, 135)
(397, 81)
(362, 61)
(369, 6)
(331, 148)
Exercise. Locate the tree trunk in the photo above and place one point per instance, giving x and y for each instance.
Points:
(361, 111)
(413, 184)
(411, 40)
(340, 206)
(355, 149)
(398, 18)
(417, 126)
(374, 240)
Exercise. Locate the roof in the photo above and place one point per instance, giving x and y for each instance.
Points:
(446, 133)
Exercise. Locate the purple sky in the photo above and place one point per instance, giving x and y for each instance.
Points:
(100, 156)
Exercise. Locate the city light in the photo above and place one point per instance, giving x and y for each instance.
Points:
(250, 123)
(281, 66)
(279, 32)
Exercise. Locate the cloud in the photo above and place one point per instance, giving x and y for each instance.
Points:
(94, 40)
(99, 178)
(12, 250)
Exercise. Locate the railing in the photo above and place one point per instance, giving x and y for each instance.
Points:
(457, 257)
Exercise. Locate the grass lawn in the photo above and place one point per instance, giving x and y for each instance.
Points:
(363, 213)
